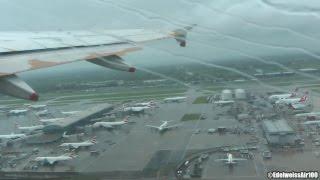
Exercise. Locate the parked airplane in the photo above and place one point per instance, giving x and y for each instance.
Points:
(43, 113)
(136, 109)
(175, 99)
(17, 112)
(276, 97)
(68, 113)
(230, 160)
(29, 129)
(222, 102)
(311, 123)
(64, 135)
(48, 121)
(143, 104)
(310, 116)
(12, 136)
(109, 124)
(37, 106)
(76, 145)
(289, 101)
(51, 160)
(26, 51)
(164, 126)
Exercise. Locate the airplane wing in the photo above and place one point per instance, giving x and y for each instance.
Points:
(75, 146)
(107, 126)
(239, 159)
(26, 51)
(221, 160)
(173, 126)
(50, 161)
(156, 127)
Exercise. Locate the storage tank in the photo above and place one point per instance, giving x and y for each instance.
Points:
(226, 95)
(240, 94)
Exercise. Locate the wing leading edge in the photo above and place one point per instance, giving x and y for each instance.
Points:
(25, 51)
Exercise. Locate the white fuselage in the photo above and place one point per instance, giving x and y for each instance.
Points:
(277, 97)
(311, 123)
(222, 102)
(149, 104)
(47, 121)
(18, 111)
(136, 109)
(175, 99)
(31, 128)
(288, 101)
(109, 124)
(12, 136)
(68, 113)
(311, 114)
(52, 160)
(77, 144)
(40, 106)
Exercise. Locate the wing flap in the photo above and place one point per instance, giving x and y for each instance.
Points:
(174, 126)
(239, 159)
(113, 62)
(155, 127)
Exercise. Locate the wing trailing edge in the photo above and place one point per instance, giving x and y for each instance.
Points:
(113, 62)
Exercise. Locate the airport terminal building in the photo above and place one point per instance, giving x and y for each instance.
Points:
(279, 133)
(66, 123)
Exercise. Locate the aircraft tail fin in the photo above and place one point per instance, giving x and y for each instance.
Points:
(303, 99)
(73, 154)
(126, 119)
(64, 135)
(94, 140)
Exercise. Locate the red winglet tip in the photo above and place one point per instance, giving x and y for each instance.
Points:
(34, 97)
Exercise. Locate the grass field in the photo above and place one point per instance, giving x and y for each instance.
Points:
(61, 98)
(190, 117)
(201, 100)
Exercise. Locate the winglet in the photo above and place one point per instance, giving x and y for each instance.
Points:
(14, 86)
(180, 35)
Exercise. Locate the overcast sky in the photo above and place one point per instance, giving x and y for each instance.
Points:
(227, 29)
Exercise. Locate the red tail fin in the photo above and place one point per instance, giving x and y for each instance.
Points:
(94, 140)
(303, 98)
(73, 154)
(126, 119)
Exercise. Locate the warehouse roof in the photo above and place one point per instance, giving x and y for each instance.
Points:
(83, 115)
(277, 127)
